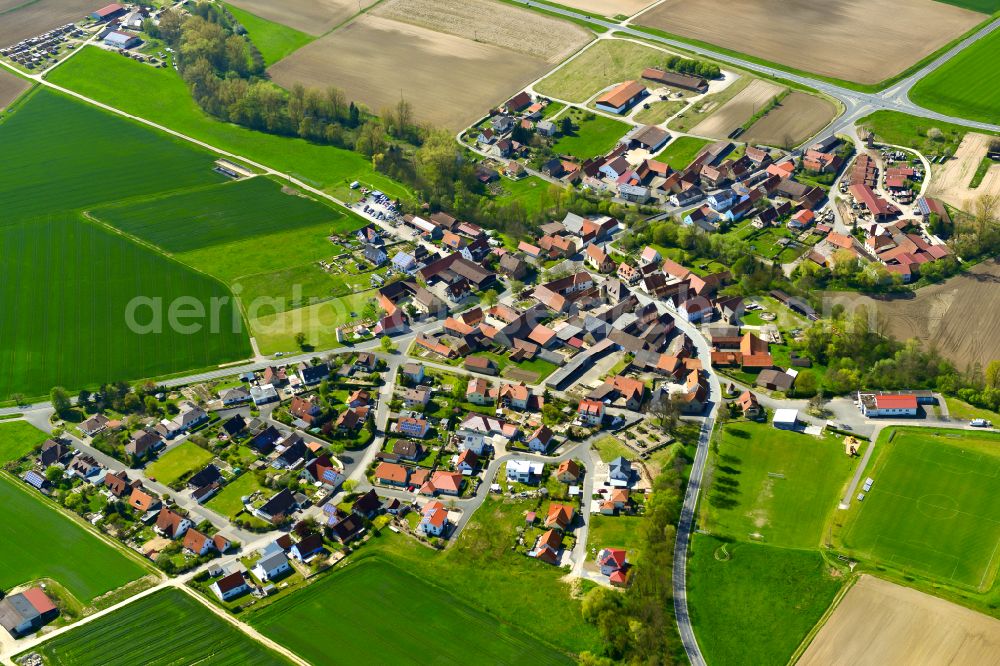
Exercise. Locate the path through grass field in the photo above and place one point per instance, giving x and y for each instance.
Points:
(111, 79)
(753, 604)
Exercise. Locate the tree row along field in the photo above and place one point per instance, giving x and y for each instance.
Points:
(77, 278)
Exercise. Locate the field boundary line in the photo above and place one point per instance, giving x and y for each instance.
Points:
(247, 629)
(831, 609)
(69, 515)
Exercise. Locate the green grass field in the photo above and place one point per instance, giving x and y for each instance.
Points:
(263, 242)
(960, 410)
(967, 86)
(594, 136)
(607, 62)
(276, 331)
(178, 461)
(415, 622)
(39, 542)
(659, 112)
(165, 99)
(984, 6)
(777, 484)
(531, 192)
(273, 40)
(757, 606)
(163, 629)
(17, 439)
(76, 278)
(932, 510)
(615, 532)
(229, 500)
(904, 130)
(247, 209)
(681, 151)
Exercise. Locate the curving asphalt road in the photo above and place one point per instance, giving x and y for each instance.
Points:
(856, 104)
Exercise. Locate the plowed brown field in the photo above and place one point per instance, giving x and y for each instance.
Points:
(880, 623)
(866, 41)
(959, 317)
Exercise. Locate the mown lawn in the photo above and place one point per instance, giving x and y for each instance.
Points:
(415, 621)
(967, 86)
(184, 458)
(39, 542)
(17, 439)
(960, 410)
(276, 331)
(593, 135)
(165, 99)
(777, 485)
(681, 151)
(273, 40)
(163, 629)
(615, 532)
(756, 606)
(229, 500)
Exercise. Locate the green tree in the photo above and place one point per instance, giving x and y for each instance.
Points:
(388, 346)
(53, 474)
(300, 339)
(993, 374)
(490, 297)
(60, 400)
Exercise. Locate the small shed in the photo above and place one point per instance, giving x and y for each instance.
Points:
(786, 419)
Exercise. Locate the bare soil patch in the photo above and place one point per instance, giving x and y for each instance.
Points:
(959, 317)
(610, 8)
(505, 26)
(738, 110)
(951, 180)
(450, 81)
(313, 17)
(27, 19)
(879, 622)
(11, 87)
(798, 117)
(866, 41)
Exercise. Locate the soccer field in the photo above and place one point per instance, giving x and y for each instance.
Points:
(932, 509)
(36, 541)
(66, 283)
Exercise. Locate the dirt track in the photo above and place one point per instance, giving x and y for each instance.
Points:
(880, 623)
(492, 22)
(738, 110)
(960, 317)
(797, 118)
(10, 87)
(865, 41)
(375, 60)
(35, 18)
(951, 180)
(313, 17)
